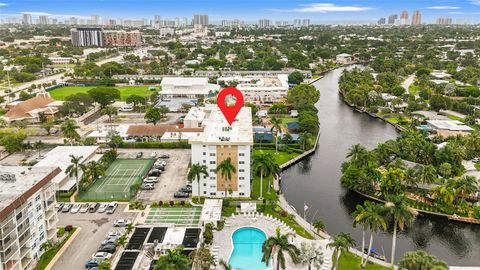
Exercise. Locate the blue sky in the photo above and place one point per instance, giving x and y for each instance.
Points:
(248, 10)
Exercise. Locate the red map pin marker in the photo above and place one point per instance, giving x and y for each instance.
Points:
(230, 112)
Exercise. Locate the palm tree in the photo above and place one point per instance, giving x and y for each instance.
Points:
(110, 111)
(319, 225)
(358, 154)
(264, 165)
(225, 265)
(466, 186)
(304, 140)
(68, 130)
(39, 145)
(72, 169)
(340, 243)
(358, 219)
(122, 240)
(93, 170)
(277, 245)
(428, 174)
(445, 192)
(226, 169)
(277, 126)
(421, 260)
(196, 172)
(310, 255)
(173, 260)
(401, 215)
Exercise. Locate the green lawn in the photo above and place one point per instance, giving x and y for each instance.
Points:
(453, 117)
(349, 261)
(125, 91)
(256, 189)
(280, 158)
(413, 89)
(48, 255)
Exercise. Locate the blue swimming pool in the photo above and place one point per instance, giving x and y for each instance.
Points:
(247, 249)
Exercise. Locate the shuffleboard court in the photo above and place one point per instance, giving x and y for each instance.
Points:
(180, 216)
(120, 176)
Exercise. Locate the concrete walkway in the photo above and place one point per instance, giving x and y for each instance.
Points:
(63, 249)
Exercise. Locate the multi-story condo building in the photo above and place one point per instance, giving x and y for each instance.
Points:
(84, 37)
(264, 23)
(43, 19)
(122, 38)
(28, 217)
(27, 19)
(94, 20)
(381, 21)
(392, 18)
(417, 18)
(306, 22)
(200, 20)
(218, 142)
(444, 21)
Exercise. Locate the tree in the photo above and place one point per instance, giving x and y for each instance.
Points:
(110, 111)
(122, 240)
(358, 218)
(48, 125)
(39, 145)
(466, 186)
(276, 246)
(105, 265)
(340, 243)
(196, 172)
(225, 265)
(358, 154)
(226, 169)
(114, 140)
(319, 225)
(265, 165)
(277, 126)
(73, 168)
(202, 258)
(13, 140)
(92, 170)
(295, 77)
(428, 174)
(401, 215)
(421, 260)
(136, 100)
(68, 130)
(163, 111)
(104, 95)
(305, 140)
(311, 255)
(302, 95)
(173, 260)
(153, 115)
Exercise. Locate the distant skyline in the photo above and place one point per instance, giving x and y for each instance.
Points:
(247, 10)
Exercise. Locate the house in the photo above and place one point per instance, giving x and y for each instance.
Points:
(446, 128)
(187, 87)
(31, 109)
(344, 58)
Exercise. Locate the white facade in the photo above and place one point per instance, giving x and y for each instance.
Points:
(218, 142)
(28, 217)
(187, 87)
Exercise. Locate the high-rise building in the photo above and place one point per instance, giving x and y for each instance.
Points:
(232, 23)
(121, 38)
(84, 37)
(264, 23)
(27, 19)
(392, 18)
(94, 20)
(306, 22)
(297, 22)
(404, 15)
(381, 21)
(73, 21)
(444, 21)
(417, 18)
(218, 142)
(200, 20)
(28, 217)
(43, 19)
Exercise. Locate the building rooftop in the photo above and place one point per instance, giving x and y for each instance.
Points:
(18, 183)
(453, 125)
(211, 211)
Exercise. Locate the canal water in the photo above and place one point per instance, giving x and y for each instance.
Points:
(316, 182)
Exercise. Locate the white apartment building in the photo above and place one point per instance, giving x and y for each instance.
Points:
(260, 89)
(28, 217)
(217, 142)
(187, 87)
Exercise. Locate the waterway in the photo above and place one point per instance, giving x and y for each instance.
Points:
(316, 182)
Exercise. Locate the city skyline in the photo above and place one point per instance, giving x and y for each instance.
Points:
(364, 11)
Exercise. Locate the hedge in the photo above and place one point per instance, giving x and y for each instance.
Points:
(164, 145)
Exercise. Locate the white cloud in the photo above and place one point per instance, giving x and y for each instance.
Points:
(324, 8)
(3, 4)
(455, 13)
(34, 13)
(442, 7)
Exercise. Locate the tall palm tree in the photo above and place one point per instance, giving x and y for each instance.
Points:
(401, 215)
(340, 243)
(196, 172)
(68, 130)
(428, 174)
(304, 140)
(265, 165)
(72, 169)
(110, 111)
(173, 260)
(277, 126)
(39, 145)
(445, 192)
(358, 215)
(226, 169)
(311, 255)
(93, 170)
(421, 260)
(277, 245)
(318, 225)
(466, 186)
(358, 154)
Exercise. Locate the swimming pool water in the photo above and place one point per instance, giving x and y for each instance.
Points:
(247, 249)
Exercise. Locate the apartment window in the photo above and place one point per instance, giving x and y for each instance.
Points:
(241, 162)
(205, 193)
(29, 204)
(39, 207)
(19, 216)
(212, 170)
(37, 198)
(204, 184)
(40, 227)
(212, 154)
(204, 153)
(241, 194)
(241, 186)
(241, 178)
(212, 178)
(204, 146)
(204, 161)
(241, 170)
(42, 236)
(212, 162)
(213, 186)
(241, 154)
(213, 193)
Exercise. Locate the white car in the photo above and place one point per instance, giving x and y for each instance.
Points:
(84, 208)
(121, 222)
(102, 208)
(111, 207)
(114, 234)
(102, 255)
(75, 208)
(150, 180)
(153, 155)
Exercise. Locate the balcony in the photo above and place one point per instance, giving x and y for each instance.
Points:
(11, 265)
(26, 261)
(52, 234)
(25, 251)
(24, 239)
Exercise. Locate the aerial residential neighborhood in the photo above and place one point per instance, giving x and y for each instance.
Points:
(157, 135)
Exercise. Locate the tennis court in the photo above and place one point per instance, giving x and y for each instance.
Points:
(118, 179)
(180, 216)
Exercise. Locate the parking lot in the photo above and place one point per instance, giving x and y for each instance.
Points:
(95, 226)
(171, 180)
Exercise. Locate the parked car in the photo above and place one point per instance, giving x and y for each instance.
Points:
(111, 208)
(159, 167)
(107, 248)
(150, 180)
(161, 163)
(92, 263)
(109, 241)
(185, 190)
(165, 156)
(121, 223)
(102, 208)
(102, 255)
(139, 155)
(154, 173)
(75, 208)
(126, 108)
(181, 195)
(113, 234)
(147, 186)
(93, 207)
(153, 155)
(59, 206)
(67, 207)
(84, 208)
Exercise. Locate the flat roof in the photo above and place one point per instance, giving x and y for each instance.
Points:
(212, 210)
(453, 125)
(25, 182)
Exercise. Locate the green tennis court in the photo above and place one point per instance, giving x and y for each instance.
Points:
(180, 216)
(118, 179)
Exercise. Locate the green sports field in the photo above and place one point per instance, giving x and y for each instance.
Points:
(180, 216)
(119, 177)
(125, 91)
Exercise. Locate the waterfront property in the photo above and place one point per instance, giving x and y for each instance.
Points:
(446, 128)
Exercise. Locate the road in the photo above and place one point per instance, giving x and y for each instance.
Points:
(406, 84)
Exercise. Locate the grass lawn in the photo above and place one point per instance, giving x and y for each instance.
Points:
(413, 89)
(47, 257)
(125, 91)
(349, 261)
(453, 117)
(280, 158)
(256, 189)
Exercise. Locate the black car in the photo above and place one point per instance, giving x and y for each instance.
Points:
(181, 195)
(159, 167)
(165, 156)
(107, 248)
(139, 155)
(154, 173)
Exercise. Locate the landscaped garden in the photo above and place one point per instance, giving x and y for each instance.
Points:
(51, 249)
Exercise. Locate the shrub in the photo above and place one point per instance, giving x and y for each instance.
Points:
(160, 203)
(68, 228)
(182, 203)
(172, 203)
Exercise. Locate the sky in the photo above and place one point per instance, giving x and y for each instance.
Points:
(322, 11)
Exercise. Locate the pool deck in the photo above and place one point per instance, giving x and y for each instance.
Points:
(222, 240)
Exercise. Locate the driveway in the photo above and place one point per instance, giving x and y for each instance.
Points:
(95, 227)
